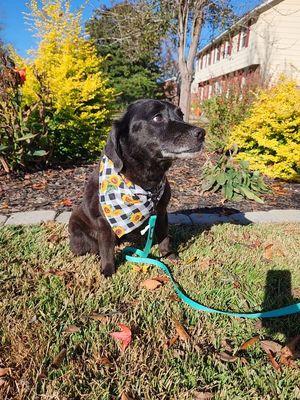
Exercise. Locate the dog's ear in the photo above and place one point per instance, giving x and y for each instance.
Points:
(113, 148)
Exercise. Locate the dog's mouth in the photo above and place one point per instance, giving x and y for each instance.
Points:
(183, 153)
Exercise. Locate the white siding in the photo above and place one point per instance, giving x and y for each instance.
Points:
(274, 44)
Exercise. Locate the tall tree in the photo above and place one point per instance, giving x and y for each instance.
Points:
(129, 38)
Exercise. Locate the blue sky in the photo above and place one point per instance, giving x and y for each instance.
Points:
(15, 31)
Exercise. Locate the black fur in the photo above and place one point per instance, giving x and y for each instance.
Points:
(142, 145)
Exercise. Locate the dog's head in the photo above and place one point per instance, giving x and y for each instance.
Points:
(155, 129)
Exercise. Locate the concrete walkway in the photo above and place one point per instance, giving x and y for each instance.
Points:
(272, 216)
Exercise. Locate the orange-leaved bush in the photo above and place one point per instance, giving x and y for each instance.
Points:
(269, 138)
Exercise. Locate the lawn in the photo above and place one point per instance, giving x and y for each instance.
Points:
(57, 313)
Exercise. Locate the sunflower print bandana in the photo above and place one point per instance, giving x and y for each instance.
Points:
(126, 205)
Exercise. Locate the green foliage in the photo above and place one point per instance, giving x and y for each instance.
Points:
(234, 180)
(269, 138)
(128, 39)
(226, 110)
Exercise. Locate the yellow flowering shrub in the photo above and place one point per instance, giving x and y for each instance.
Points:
(66, 75)
(270, 137)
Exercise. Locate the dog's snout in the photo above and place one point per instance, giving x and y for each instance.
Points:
(199, 133)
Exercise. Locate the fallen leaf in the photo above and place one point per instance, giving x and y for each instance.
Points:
(174, 297)
(204, 264)
(2, 382)
(99, 317)
(54, 238)
(226, 357)
(269, 345)
(203, 395)
(182, 333)
(59, 358)
(249, 342)
(150, 284)
(225, 344)
(171, 341)
(4, 371)
(124, 396)
(273, 361)
(125, 336)
(161, 278)
(104, 361)
(39, 186)
(190, 260)
(72, 329)
(136, 268)
(66, 202)
(268, 251)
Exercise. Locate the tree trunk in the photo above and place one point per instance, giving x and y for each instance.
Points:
(185, 95)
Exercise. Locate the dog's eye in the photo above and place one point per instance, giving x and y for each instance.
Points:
(158, 118)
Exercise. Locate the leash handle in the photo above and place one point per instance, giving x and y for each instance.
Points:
(141, 257)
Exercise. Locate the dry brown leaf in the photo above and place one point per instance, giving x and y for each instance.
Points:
(268, 251)
(204, 264)
(124, 396)
(104, 361)
(54, 238)
(225, 344)
(226, 357)
(72, 329)
(100, 317)
(249, 342)
(174, 297)
(203, 395)
(161, 278)
(150, 284)
(171, 341)
(57, 361)
(269, 345)
(182, 333)
(273, 361)
(4, 371)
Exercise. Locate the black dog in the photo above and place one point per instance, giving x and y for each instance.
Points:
(141, 145)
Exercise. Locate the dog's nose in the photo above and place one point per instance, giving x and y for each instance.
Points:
(199, 133)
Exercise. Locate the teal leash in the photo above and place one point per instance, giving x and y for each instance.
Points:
(141, 257)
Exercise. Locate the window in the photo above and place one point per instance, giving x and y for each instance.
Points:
(219, 52)
(239, 41)
(209, 57)
(201, 63)
(229, 47)
(246, 35)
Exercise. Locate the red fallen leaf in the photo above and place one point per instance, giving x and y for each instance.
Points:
(174, 297)
(249, 342)
(125, 336)
(124, 396)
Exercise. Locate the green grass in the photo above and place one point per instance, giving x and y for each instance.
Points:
(44, 289)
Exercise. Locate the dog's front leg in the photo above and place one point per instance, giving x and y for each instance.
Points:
(163, 239)
(106, 242)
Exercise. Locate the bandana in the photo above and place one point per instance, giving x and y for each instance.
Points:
(126, 205)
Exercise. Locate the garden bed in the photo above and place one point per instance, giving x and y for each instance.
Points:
(62, 187)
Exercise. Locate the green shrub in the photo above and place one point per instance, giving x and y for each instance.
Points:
(233, 179)
(226, 110)
(269, 138)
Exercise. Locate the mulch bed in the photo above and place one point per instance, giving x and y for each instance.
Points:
(61, 188)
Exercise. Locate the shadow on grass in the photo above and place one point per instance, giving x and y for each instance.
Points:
(278, 293)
